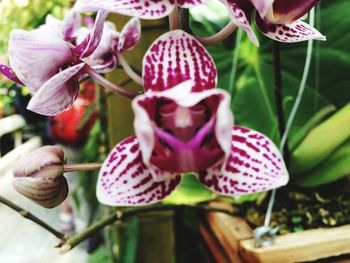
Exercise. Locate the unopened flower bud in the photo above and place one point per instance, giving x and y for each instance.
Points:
(39, 176)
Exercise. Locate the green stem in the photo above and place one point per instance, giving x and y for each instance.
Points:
(235, 61)
(79, 167)
(72, 242)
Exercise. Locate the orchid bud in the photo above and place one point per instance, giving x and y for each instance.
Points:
(39, 176)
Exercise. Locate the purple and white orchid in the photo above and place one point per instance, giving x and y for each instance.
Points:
(49, 65)
(277, 19)
(184, 124)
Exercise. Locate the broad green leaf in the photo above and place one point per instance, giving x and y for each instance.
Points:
(331, 169)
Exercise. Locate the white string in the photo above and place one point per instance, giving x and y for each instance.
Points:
(293, 113)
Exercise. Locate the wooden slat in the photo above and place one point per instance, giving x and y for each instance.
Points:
(7, 161)
(298, 247)
(11, 124)
(229, 230)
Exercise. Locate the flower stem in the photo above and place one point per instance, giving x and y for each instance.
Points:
(109, 85)
(33, 218)
(174, 19)
(128, 70)
(124, 215)
(82, 167)
(279, 97)
(219, 36)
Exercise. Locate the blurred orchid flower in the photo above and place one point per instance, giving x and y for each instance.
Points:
(50, 66)
(112, 44)
(276, 19)
(146, 9)
(184, 124)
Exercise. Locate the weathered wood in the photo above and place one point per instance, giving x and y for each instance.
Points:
(298, 247)
(7, 161)
(229, 230)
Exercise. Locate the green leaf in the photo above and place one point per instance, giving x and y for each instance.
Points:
(331, 169)
(189, 191)
(322, 141)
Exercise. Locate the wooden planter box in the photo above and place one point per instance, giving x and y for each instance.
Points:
(230, 239)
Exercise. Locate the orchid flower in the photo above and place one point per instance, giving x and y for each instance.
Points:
(50, 66)
(277, 19)
(112, 44)
(184, 124)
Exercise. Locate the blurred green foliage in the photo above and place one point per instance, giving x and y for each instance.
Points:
(27, 14)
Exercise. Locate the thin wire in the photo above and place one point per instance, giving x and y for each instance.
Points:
(302, 84)
(293, 113)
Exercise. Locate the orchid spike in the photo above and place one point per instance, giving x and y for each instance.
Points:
(276, 19)
(174, 58)
(39, 176)
(49, 65)
(180, 131)
(146, 9)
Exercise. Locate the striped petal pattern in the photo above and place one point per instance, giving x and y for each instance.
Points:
(255, 165)
(125, 181)
(174, 58)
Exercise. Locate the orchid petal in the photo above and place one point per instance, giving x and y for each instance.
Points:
(255, 165)
(146, 9)
(36, 56)
(288, 33)
(8, 73)
(189, 3)
(240, 18)
(182, 96)
(130, 35)
(176, 57)
(71, 25)
(263, 6)
(92, 40)
(286, 12)
(125, 181)
(58, 93)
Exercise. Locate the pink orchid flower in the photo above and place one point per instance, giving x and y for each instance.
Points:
(50, 66)
(277, 19)
(112, 44)
(184, 124)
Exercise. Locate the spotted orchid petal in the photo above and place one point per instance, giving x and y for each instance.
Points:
(174, 58)
(286, 12)
(289, 33)
(58, 93)
(180, 130)
(8, 73)
(130, 35)
(37, 55)
(146, 9)
(92, 40)
(189, 3)
(240, 13)
(254, 165)
(125, 181)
